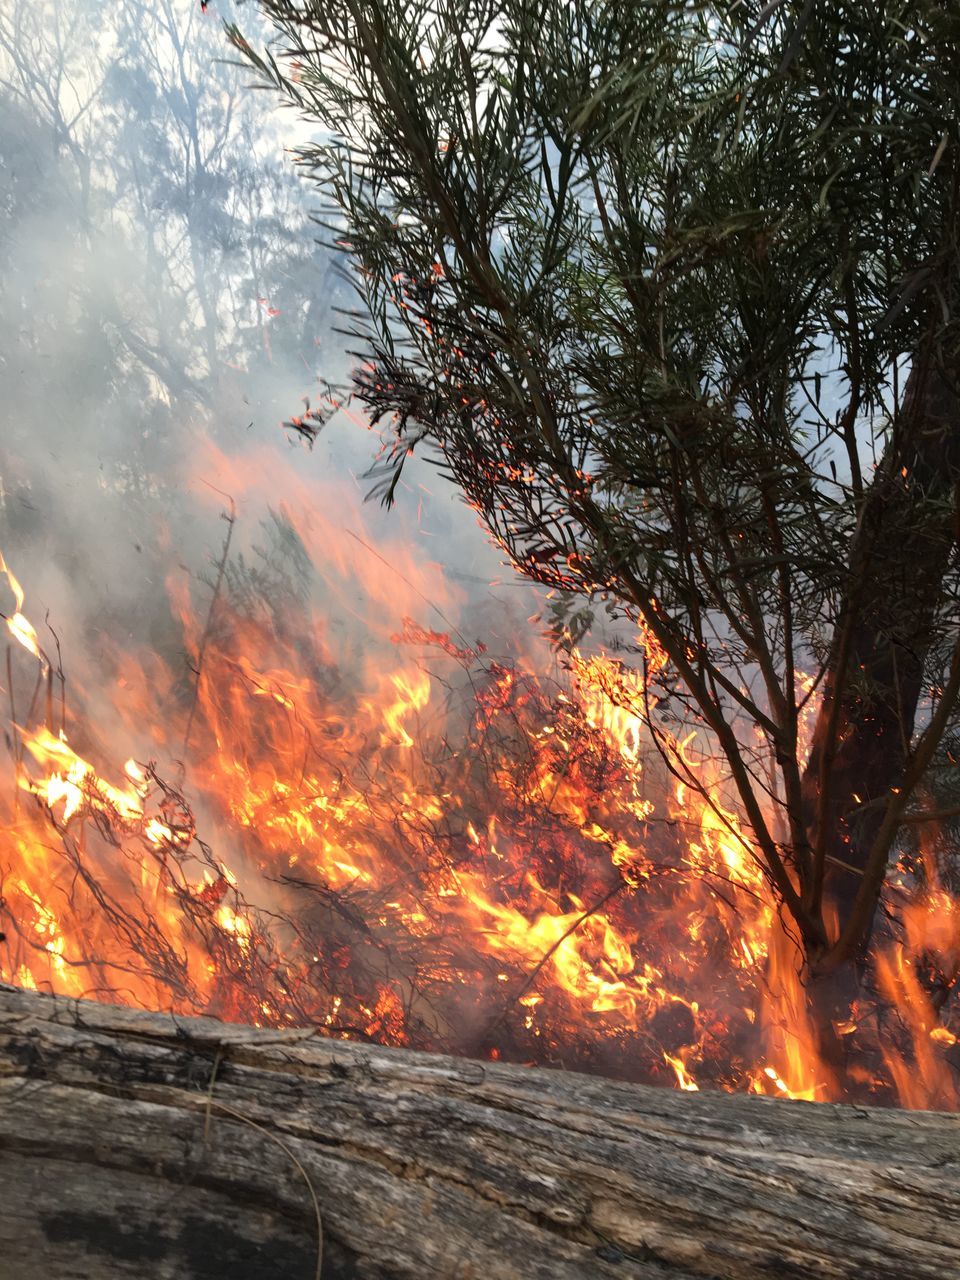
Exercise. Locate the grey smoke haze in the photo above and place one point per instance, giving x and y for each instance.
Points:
(162, 292)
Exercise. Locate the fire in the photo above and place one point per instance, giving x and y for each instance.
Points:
(439, 848)
(19, 627)
(69, 783)
(685, 1080)
(412, 696)
(588, 958)
(931, 936)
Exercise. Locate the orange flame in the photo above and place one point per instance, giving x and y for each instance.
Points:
(19, 627)
(540, 889)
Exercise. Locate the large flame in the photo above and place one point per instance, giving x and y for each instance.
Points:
(444, 849)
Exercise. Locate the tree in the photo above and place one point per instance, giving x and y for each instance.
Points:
(670, 290)
(156, 267)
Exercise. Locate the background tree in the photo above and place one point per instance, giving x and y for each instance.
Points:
(670, 290)
(156, 273)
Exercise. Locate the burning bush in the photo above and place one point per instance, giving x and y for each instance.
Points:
(449, 851)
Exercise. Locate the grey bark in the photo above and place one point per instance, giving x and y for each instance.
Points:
(142, 1145)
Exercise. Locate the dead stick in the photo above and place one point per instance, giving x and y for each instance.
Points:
(15, 735)
(202, 648)
(62, 677)
(49, 715)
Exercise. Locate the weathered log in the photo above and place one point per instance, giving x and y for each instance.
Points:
(141, 1145)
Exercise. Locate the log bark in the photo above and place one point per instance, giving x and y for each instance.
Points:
(143, 1145)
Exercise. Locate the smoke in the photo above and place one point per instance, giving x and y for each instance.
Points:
(165, 308)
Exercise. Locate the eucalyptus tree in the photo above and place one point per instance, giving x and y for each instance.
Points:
(198, 170)
(670, 290)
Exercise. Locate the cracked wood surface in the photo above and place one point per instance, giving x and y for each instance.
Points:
(141, 1145)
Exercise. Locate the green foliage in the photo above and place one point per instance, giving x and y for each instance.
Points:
(629, 241)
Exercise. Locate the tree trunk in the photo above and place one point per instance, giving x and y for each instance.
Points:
(898, 563)
(142, 1145)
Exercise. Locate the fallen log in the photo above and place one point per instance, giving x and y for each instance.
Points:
(143, 1145)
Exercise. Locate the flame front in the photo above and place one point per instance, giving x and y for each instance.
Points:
(445, 850)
